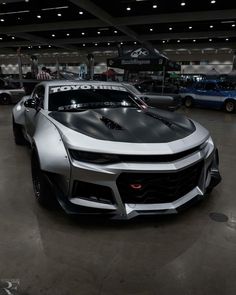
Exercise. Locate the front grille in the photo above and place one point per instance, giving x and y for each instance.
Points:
(135, 158)
(152, 188)
(158, 158)
(92, 192)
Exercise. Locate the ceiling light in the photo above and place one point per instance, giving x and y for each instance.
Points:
(3, 3)
(13, 38)
(226, 39)
(194, 40)
(227, 21)
(99, 33)
(38, 16)
(115, 32)
(39, 46)
(170, 29)
(53, 35)
(178, 41)
(213, 1)
(233, 25)
(135, 42)
(49, 46)
(83, 44)
(59, 14)
(95, 44)
(0, 38)
(81, 12)
(190, 28)
(108, 43)
(15, 12)
(128, 8)
(29, 47)
(151, 29)
(154, 6)
(67, 34)
(210, 40)
(26, 0)
(182, 3)
(2, 20)
(211, 27)
(121, 43)
(83, 33)
(54, 8)
(163, 41)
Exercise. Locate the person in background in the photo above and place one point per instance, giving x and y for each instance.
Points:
(43, 75)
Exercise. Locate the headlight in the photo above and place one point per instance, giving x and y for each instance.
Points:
(95, 158)
(209, 142)
(208, 145)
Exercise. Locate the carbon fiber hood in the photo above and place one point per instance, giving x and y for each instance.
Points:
(127, 124)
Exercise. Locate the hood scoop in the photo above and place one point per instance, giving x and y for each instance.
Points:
(111, 124)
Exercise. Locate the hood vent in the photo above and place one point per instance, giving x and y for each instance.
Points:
(111, 124)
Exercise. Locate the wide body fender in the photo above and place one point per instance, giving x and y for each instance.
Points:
(50, 147)
(51, 152)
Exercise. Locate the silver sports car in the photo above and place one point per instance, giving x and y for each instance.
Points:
(98, 148)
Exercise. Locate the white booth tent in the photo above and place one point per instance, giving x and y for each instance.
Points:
(212, 74)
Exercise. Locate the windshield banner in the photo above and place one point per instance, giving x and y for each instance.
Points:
(60, 88)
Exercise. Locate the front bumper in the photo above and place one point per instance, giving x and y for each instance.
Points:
(95, 189)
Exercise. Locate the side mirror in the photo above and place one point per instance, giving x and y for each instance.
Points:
(32, 103)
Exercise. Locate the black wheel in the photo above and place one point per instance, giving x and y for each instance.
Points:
(5, 99)
(230, 106)
(188, 102)
(18, 134)
(42, 187)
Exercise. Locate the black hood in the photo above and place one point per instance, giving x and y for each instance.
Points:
(127, 124)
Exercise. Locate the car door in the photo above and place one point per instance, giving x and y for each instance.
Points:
(212, 96)
(199, 92)
(31, 113)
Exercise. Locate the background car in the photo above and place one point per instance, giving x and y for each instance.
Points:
(212, 94)
(168, 102)
(10, 92)
(99, 149)
(155, 87)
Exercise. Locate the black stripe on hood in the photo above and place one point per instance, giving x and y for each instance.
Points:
(127, 124)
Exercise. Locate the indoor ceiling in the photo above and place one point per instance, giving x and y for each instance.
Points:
(98, 24)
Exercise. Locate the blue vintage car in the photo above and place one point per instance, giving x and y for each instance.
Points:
(210, 93)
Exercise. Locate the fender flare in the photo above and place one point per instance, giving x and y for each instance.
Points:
(51, 151)
(52, 154)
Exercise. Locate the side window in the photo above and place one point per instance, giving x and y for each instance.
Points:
(39, 94)
(199, 86)
(147, 86)
(210, 86)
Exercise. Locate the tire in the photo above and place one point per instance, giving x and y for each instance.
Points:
(230, 106)
(18, 134)
(188, 102)
(41, 185)
(5, 99)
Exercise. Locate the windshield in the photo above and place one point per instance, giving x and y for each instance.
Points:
(80, 99)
